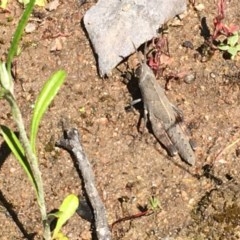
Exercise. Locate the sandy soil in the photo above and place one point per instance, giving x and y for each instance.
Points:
(198, 202)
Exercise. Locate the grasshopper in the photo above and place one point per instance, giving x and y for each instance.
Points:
(163, 116)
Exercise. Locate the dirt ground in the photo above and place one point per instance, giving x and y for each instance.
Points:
(199, 202)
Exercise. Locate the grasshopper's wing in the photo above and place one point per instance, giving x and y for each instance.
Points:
(187, 133)
(185, 130)
(162, 107)
(182, 143)
(178, 113)
(161, 135)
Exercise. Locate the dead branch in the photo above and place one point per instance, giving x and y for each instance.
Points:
(71, 142)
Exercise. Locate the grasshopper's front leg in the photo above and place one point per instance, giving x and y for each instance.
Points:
(145, 113)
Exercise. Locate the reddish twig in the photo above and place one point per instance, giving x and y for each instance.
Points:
(137, 215)
(48, 35)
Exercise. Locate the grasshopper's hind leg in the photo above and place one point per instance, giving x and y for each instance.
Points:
(164, 139)
(161, 135)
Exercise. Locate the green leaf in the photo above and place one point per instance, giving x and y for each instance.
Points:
(233, 51)
(154, 203)
(5, 78)
(18, 151)
(232, 40)
(18, 34)
(67, 209)
(223, 47)
(40, 3)
(61, 236)
(47, 94)
(3, 4)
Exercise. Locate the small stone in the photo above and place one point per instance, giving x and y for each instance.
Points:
(12, 170)
(184, 195)
(213, 75)
(199, 7)
(189, 78)
(209, 138)
(102, 121)
(31, 27)
(222, 161)
(56, 45)
(187, 44)
(52, 5)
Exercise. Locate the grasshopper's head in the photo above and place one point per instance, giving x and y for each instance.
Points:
(142, 67)
(142, 70)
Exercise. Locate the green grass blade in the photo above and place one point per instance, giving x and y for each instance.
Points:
(3, 4)
(67, 209)
(233, 52)
(18, 34)
(47, 94)
(40, 3)
(18, 151)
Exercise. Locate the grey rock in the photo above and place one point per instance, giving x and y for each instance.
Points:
(114, 25)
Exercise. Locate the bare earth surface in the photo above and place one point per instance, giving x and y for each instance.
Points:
(200, 202)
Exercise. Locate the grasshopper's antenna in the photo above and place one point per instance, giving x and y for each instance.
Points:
(144, 52)
(134, 46)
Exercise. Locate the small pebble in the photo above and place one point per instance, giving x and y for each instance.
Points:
(53, 5)
(102, 120)
(31, 27)
(206, 117)
(189, 78)
(12, 170)
(199, 7)
(213, 75)
(185, 196)
(187, 44)
(56, 45)
(191, 202)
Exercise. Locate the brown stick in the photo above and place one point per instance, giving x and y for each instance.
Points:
(71, 142)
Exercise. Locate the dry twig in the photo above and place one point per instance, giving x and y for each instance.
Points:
(71, 142)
